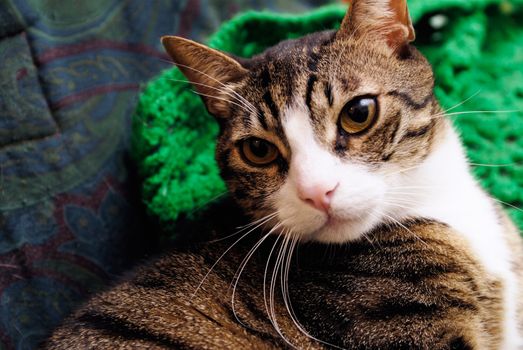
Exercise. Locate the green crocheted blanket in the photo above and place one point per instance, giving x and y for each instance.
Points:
(475, 47)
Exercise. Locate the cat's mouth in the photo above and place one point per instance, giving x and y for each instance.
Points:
(338, 229)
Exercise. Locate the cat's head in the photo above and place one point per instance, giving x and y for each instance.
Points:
(321, 130)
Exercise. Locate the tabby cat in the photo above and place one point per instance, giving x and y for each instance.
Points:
(367, 229)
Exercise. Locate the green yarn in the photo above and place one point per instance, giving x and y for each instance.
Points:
(478, 54)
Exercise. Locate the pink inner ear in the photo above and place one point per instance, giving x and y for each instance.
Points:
(402, 16)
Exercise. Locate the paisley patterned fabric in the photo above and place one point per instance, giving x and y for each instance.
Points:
(69, 75)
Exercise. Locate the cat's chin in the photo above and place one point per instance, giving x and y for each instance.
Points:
(339, 231)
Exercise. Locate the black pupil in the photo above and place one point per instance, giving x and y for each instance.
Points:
(359, 112)
(259, 148)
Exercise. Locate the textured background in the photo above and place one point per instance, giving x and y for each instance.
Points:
(70, 216)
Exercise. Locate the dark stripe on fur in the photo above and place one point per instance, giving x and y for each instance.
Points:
(349, 85)
(265, 78)
(408, 100)
(313, 61)
(328, 93)
(267, 98)
(123, 329)
(262, 119)
(148, 282)
(381, 138)
(420, 131)
(330, 36)
(341, 145)
(387, 156)
(310, 87)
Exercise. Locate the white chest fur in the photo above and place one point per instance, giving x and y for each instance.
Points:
(451, 195)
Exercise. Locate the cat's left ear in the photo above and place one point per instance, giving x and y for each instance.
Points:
(207, 69)
(386, 19)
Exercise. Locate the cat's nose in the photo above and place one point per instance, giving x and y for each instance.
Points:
(319, 196)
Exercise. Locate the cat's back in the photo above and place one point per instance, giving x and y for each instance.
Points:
(416, 286)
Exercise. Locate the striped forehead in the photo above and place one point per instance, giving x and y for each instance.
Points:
(279, 90)
(298, 128)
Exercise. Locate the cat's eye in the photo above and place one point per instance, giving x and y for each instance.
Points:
(358, 115)
(258, 152)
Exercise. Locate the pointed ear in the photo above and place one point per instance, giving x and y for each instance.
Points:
(386, 19)
(207, 69)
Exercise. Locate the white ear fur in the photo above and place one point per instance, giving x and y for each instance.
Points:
(386, 19)
(207, 69)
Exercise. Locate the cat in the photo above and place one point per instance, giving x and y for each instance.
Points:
(365, 228)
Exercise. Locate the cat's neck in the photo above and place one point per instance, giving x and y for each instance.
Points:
(453, 196)
(449, 193)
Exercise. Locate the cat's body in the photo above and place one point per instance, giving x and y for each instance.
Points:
(393, 291)
(334, 138)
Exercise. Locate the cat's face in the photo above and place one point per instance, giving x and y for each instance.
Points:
(321, 130)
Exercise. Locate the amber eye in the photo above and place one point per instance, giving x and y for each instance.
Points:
(259, 152)
(358, 115)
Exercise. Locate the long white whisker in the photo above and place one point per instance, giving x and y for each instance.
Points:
(214, 79)
(404, 227)
(248, 106)
(479, 113)
(507, 204)
(415, 187)
(272, 288)
(287, 297)
(269, 304)
(400, 205)
(221, 99)
(494, 165)
(403, 170)
(462, 102)
(265, 219)
(221, 257)
(240, 270)
(257, 221)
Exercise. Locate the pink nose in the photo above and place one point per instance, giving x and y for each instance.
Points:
(320, 197)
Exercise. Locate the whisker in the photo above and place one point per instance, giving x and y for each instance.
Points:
(479, 113)
(406, 193)
(272, 288)
(269, 303)
(249, 107)
(240, 270)
(10, 266)
(214, 79)
(221, 257)
(507, 204)
(403, 170)
(257, 221)
(397, 222)
(494, 165)
(462, 102)
(416, 187)
(395, 204)
(246, 227)
(392, 199)
(209, 201)
(284, 280)
(220, 99)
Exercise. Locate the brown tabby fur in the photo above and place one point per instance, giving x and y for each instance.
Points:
(393, 291)
(412, 287)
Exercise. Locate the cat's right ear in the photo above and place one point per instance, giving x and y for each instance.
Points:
(387, 20)
(207, 69)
